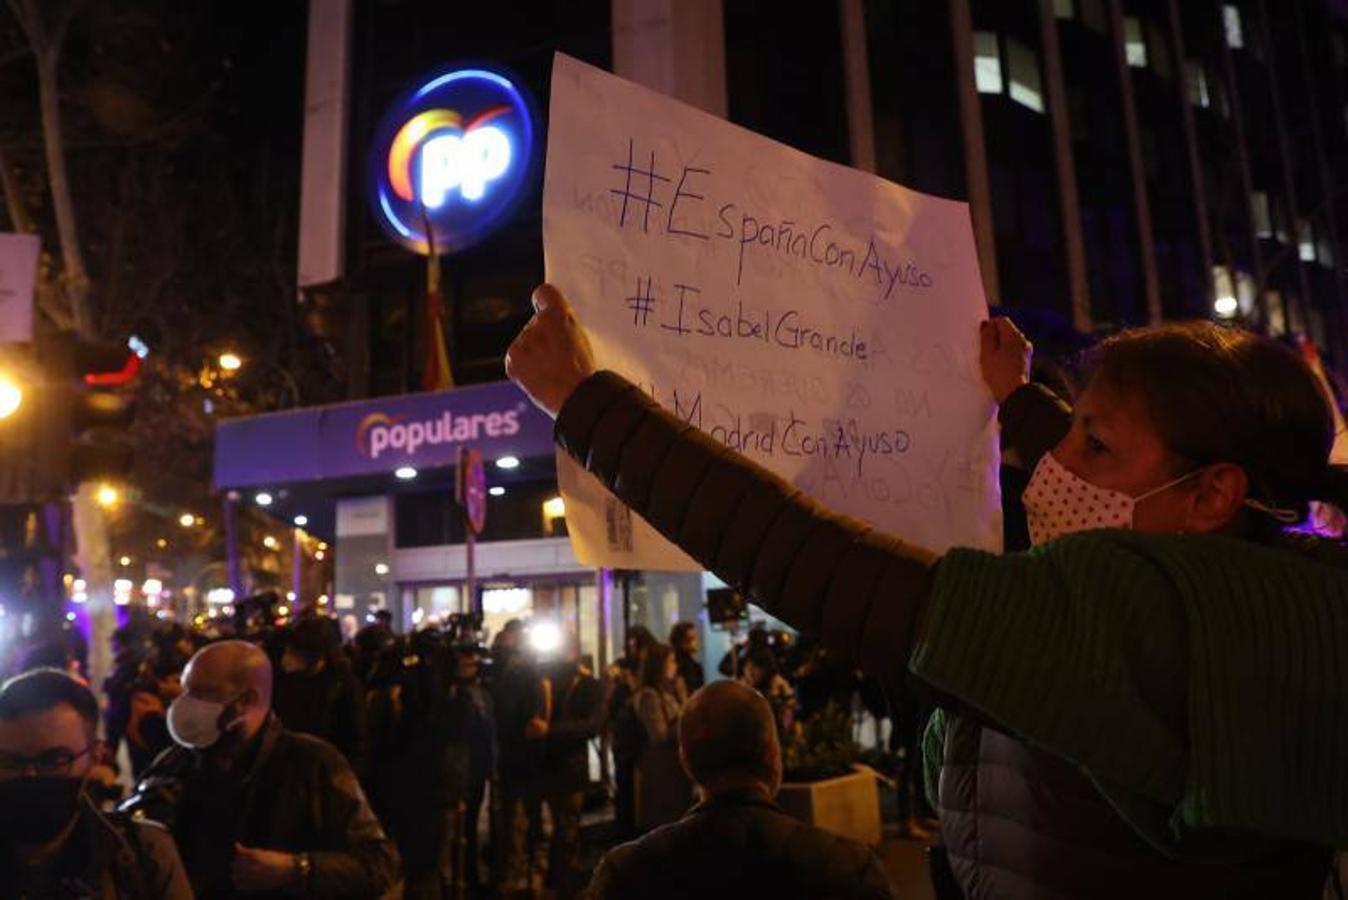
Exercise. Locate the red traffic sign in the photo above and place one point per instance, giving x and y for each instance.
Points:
(471, 489)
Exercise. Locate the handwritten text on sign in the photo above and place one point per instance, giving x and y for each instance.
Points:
(816, 318)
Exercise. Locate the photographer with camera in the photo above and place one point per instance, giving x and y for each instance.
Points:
(316, 689)
(522, 703)
(580, 704)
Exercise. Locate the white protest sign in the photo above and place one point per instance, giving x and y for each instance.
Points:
(818, 319)
(18, 276)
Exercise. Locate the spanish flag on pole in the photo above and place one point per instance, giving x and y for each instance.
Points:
(435, 373)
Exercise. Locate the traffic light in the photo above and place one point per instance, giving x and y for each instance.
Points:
(70, 424)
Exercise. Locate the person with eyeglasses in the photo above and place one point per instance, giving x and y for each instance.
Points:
(54, 841)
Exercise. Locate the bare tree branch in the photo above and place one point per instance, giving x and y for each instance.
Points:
(29, 30)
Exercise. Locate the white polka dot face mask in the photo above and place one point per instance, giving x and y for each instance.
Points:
(1058, 502)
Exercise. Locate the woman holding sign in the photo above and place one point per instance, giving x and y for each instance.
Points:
(1165, 641)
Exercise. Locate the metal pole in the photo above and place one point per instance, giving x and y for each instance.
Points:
(857, 75)
(470, 553)
(1069, 202)
(232, 545)
(977, 185)
(1199, 186)
(1141, 199)
(1285, 157)
(1336, 342)
(297, 568)
(1246, 177)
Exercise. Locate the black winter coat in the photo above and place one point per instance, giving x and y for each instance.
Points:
(737, 846)
(298, 795)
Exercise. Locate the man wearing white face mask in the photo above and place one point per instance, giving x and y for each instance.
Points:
(263, 811)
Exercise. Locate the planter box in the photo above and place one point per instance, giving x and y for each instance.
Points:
(848, 805)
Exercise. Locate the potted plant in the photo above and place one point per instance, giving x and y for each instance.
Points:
(823, 784)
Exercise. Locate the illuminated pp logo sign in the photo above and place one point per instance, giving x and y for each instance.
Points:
(453, 156)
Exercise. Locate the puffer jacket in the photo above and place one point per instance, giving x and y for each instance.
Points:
(1020, 822)
(739, 845)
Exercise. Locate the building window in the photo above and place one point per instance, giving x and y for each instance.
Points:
(987, 63)
(1217, 90)
(1160, 51)
(1305, 240)
(1198, 84)
(1235, 34)
(1024, 71)
(1134, 45)
(1064, 9)
(1079, 112)
(1093, 14)
(1279, 220)
(1224, 302)
(1277, 314)
(1263, 222)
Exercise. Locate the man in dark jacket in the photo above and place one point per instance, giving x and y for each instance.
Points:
(736, 843)
(54, 842)
(579, 705)
(317, 691)
(259, 810)
(521, 706)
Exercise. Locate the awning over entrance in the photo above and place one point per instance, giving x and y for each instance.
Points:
(307, 457)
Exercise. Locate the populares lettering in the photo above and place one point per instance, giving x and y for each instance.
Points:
(379, 432)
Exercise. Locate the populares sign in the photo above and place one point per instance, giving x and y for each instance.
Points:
(379, 432)
(379, 435)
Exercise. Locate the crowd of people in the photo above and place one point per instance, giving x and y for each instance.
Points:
(278, 760)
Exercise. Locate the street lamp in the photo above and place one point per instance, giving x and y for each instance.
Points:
(108, 496)
(230, 362)
(187, 520)
(11, 397)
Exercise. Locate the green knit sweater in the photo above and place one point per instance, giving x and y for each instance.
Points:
(1200, 681)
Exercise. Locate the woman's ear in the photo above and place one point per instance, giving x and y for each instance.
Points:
(1219, 499)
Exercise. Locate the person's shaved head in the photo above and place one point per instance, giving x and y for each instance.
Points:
(235, 673)
(223, 671)
(728, 739)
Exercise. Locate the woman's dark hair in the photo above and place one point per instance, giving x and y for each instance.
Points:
(653, 666)
(1219, 394)
(764, 660)
(641, 636)
(312, 637)
(678, 635)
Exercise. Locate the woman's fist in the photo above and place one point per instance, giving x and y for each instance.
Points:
(1004, 356)
(551, 356)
